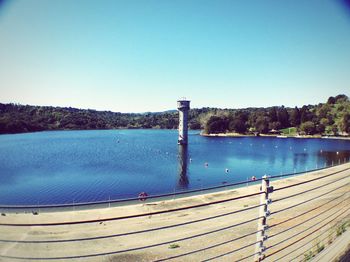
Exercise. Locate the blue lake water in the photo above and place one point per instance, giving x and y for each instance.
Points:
(80, 166)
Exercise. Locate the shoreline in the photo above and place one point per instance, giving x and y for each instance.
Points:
(275, 136)
(150, 199)
(238, 135)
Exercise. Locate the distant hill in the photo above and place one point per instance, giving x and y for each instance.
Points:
(332, 117)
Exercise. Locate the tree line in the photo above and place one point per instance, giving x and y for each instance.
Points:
(332, 117)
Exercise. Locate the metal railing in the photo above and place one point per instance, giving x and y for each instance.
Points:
(308, 224)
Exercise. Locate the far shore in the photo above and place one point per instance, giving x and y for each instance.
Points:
(274, 135)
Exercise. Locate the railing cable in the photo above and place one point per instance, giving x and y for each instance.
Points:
(325, 231)
(308, 200)
(134, 216)
(138, 231)
(307, 220)
(130, 249)
(206, 248)
(243, 258)
(303, 172)
(298, 240)
(311, 180)
(308, 211)
(230, 252)
(313, 245)
(309, 190)
(300, 232)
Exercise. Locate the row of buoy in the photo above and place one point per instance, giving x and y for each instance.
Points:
(206, 164)
(253, 178)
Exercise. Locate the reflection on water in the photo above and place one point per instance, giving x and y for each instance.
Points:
(323, 159)
(182, 168)
(300, 159)
(330, 158)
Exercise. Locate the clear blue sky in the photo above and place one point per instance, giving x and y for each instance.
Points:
(142, 55)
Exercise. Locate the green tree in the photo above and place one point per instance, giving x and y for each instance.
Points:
(283, 117)
(262, 124)
(275, 125)
(273, 114)
(324, 111)
(294, 117)
(320, 128)
(238, 126)
(335, 129)
(305, 114)
(216, 125)
(324, 121)
(331, 100)
(345, 123)
(308, 128)
(341, 98)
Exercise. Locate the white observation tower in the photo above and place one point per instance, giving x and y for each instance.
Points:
(183, 105)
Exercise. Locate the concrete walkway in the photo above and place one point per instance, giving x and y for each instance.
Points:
(208, 232)
(337, 249)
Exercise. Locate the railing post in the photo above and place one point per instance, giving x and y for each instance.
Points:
(262, 222)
